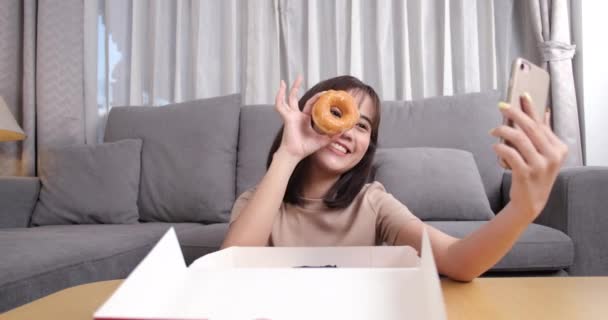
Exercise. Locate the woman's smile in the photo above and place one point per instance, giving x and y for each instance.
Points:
(338, 148)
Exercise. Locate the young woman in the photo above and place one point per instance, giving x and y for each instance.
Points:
(314, 192)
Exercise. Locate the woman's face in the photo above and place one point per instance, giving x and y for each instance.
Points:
(343, 154)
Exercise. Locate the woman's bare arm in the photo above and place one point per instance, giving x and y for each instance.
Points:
(535, 156)
(466, 259)
(254, 224)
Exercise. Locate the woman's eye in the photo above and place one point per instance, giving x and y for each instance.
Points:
(362, 126)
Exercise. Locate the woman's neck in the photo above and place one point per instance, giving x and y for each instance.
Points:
(317, 183)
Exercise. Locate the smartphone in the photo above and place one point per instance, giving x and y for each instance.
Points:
(530, 78)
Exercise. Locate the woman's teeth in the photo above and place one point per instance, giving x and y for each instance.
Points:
(339, 147)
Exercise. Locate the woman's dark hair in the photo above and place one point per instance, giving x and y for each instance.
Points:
(342, 193)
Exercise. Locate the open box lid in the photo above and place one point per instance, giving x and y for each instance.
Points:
(269, 283)
(293, 257)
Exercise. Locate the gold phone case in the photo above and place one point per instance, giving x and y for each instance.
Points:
(527, 77)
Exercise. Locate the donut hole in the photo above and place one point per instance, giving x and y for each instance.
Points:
(336, 112)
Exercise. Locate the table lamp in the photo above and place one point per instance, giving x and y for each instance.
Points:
(9, 129)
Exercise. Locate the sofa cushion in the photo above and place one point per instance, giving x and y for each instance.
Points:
(86, 184)
(539, 248)
(18, 197)
(41, 260)
(434, 183)
(258, 126)
(188, 157)
(458, 122)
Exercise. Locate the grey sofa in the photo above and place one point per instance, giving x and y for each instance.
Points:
(37, 260)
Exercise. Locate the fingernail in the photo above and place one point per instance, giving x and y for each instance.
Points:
(503, 105)
(491, 132)
(528, 97)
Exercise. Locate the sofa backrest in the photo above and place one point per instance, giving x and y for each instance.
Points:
(188, 157)
(459, 122)
(258, 125)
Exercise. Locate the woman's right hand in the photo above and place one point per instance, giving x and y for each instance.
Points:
(299, 138)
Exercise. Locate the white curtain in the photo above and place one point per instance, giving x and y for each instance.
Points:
(404, 49)
(41, 79)
(156, 52)
(551, 26)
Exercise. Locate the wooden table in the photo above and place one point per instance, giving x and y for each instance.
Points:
(484, 298)
(527, 298)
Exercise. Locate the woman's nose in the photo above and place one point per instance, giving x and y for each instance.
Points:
(348, 134)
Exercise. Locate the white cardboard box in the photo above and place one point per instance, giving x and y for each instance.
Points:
(383, 283)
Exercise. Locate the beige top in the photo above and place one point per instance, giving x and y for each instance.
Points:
(373, 218)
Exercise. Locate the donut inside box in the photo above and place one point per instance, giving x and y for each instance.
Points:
(281, 283)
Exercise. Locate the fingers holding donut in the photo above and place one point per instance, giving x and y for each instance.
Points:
(308, 105)
(299, 138)
(279, 102)
(293, 93)
(283, 106)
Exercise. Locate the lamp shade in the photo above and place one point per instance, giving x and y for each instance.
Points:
(9, 129)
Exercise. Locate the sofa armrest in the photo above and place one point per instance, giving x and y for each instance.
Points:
(18, 196)
(578, 206)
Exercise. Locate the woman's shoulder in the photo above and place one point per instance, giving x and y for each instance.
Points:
(374, 186)
(373, 190)
(383, 202)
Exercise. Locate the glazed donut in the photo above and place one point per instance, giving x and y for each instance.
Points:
(335, 112)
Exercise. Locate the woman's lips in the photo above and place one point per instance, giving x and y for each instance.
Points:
(338, 150)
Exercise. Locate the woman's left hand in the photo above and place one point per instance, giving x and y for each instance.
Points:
(535, 155)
